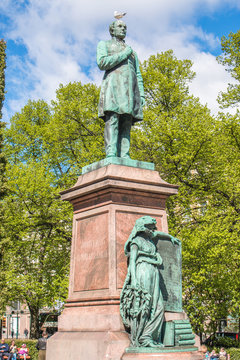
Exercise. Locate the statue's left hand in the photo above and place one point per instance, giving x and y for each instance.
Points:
(159, 259)
(143, 101)
(175, 240)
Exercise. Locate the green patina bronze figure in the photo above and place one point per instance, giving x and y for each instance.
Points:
(141, 303)
(122, 93)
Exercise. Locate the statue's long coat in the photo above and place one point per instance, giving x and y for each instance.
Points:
(122, 85)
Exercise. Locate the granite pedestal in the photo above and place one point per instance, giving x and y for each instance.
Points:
(106, 202)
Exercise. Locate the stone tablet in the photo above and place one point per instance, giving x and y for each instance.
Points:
(171, 275)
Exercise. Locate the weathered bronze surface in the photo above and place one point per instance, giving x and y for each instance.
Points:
(118, 161)
(171, 275)
(142, 303)
(122, 93)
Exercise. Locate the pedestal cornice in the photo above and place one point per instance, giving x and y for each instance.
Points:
(119, 184)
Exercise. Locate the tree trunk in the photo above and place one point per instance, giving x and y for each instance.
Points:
(34, 326)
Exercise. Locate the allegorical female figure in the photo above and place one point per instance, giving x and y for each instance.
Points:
(141, 303)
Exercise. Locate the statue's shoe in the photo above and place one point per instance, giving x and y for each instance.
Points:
(154, 344)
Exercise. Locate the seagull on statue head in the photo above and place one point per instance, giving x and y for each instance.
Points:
(118, 15)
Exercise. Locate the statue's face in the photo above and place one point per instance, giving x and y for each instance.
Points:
(120, 30)
(151, 226)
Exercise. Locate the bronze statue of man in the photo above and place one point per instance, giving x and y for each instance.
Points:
(122, 93)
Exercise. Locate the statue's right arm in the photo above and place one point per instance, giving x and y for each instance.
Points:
(164, 236)
(132, 264)
(107, 62)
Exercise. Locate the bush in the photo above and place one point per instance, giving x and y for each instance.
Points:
(31, 345)
(234, 353)
(219, 341)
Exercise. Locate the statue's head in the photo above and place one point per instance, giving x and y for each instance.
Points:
(145, 222)
(118, 29)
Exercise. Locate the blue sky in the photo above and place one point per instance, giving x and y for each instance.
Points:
(54, 41)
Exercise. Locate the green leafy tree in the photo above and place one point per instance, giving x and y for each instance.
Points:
(2, 95)
(230, 58)
(36, 258)
(230, 126)
(2, 163)
(76, 132)
(46, 147)
(38, 225)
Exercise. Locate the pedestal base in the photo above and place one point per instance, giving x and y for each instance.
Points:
(87, 345)
(110, 346)
(176, 353)
(118, 161)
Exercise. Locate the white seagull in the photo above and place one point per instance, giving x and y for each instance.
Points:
(118, 14)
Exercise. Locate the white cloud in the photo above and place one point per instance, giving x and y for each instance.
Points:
(211, 77)
(61, 38)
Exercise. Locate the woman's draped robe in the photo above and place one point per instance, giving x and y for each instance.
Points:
(146, 326)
